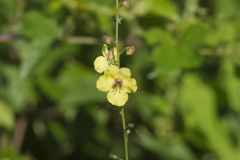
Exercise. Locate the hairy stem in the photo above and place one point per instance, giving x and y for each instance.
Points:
(125, 136)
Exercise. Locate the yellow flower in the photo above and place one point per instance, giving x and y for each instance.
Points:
(118, 84)
(101, 63)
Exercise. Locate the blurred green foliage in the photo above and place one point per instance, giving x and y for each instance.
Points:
(187, 65)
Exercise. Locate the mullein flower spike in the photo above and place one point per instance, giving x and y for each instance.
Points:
(116, 81)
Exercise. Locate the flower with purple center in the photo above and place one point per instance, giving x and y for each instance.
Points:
(118, 83)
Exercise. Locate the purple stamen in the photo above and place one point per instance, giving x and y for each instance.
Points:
(118, 83)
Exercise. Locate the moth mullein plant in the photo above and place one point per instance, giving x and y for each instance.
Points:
(116, 80)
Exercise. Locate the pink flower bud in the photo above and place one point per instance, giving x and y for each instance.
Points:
(110, 55)
(130, 50)
(107, 40)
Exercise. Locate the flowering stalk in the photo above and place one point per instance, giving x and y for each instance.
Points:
(116, 33)
(125, 136)
(115, 80)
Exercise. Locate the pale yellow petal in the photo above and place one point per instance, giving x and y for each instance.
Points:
(113, 70)
(125, 72)
(130, 85)
(104, 83)
(117, 97)
(101, 64)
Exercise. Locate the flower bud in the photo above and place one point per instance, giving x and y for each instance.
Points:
(130, 50)
(107, 40)
(115, 53)
(105, 50)
(110, 55)
(126, 4)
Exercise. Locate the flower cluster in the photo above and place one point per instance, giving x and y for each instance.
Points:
(115, 80)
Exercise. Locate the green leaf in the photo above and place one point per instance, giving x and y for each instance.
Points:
(31, 54)
(193, 36)
(41, 31)
(176, 149)
(221, 32)
(13, 155)
(227, 8)
(57, 131)
(182, 53)
(198, 106)
(157, 35)
(17, 92)
(230, 84)
(163, 8)
(7, 119)
(78, 84)
(35, 25)
(8, 8)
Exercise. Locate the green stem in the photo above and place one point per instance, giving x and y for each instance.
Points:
(116, 34)
(125, 136)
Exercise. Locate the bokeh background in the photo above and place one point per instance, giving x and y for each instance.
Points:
(187, 64)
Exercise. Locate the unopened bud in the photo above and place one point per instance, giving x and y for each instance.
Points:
(110, 55)
(130, 50)
(105, 50)
(107, 40)
(128, 131)
(126, 4)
